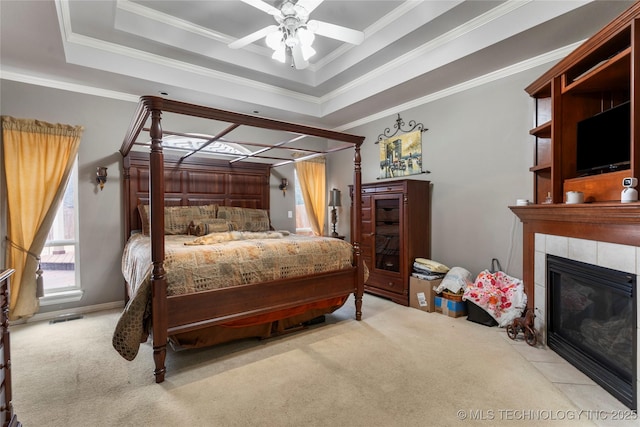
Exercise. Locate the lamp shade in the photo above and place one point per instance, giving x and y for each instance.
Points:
(274, 39)
(305, 36)
(334, 198)
(280, 53)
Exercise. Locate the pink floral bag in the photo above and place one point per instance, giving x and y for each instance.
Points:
(499, 294)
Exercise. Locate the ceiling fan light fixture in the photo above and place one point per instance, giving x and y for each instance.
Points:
(294, 33)
(291, 41)
(305, 36)
(307, 51)
(274, 39)
(280, 54)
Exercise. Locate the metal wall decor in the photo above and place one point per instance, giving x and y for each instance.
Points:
(401, 154)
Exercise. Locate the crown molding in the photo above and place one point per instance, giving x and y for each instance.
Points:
(519, 67)
(438, 42)
(371, 30)
(23, 77)
(539, 60)
(164, 18)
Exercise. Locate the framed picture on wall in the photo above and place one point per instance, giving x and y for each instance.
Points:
(401, 155)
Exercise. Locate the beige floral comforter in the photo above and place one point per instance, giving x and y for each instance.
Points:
(226, 259)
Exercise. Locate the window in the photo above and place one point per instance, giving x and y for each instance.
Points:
(302, 220)
(196, 141)
(59, 257)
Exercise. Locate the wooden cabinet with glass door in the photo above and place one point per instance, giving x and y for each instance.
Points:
(395, 229)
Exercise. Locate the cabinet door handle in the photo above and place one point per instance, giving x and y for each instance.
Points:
(391, 283)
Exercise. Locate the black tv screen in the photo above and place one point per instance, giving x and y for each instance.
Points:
(604, 141)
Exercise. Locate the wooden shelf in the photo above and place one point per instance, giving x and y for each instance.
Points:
(611, 74)
(542, 167)
(542, 131)
(601, 187)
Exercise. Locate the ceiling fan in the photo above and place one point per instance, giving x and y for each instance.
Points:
(294, 33)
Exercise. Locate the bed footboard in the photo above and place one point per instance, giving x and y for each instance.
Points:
(191, 312)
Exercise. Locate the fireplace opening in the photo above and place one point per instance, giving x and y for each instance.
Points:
(591, 322)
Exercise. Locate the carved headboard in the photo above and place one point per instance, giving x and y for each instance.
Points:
(194, 181)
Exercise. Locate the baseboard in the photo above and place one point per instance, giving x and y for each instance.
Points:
(50, 315)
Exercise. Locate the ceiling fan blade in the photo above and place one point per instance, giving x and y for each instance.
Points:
(309, 5)
(253, 37)
(265, 7)
(336, 32)
(298, 59)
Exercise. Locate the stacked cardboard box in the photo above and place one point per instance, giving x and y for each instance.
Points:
(449, 307)
(422, 293)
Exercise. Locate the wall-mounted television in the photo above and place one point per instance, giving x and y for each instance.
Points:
(604, 141)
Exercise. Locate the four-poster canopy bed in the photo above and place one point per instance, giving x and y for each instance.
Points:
(284, 281)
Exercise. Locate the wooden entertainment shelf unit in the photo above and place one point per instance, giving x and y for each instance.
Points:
(602, 73)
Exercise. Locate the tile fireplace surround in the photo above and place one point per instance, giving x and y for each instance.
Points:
(602, 234)
(610, 255)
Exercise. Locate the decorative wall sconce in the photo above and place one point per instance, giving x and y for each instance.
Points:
(283, 186)
(334, 202)
(101, 176)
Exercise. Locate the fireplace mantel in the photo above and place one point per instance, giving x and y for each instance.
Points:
(606, 222)
(593, 213)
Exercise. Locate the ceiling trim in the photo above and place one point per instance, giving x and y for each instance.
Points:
(160, 17)
(146, 13)
(376, 39)
(82, 50)
(519, 67)
(449, 47)
(539, 60)
(164, 18)
(370, 31)
(433, 44)
(21, 77)
(85, 51)
(116, 49)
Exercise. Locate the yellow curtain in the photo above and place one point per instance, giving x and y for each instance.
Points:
(38, 158)
(312, 180)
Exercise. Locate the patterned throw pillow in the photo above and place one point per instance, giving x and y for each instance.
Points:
(143, 211)
(216, 225)
(245, 219)
(178, 218)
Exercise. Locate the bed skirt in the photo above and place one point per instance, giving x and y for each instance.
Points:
(262, 326)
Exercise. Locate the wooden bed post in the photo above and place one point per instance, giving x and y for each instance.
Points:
(126, 191)
(355, 229)
(158, 278)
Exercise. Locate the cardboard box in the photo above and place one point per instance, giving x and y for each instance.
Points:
(422, 293)
(450, 308)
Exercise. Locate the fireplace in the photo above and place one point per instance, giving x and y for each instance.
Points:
(591, 322)
(605, 234)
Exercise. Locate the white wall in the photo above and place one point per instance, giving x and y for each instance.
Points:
(479, 151)
(280, 204)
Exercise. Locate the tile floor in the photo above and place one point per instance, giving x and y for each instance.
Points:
(598, 405)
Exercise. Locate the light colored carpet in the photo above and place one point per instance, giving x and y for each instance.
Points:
(397, 367)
